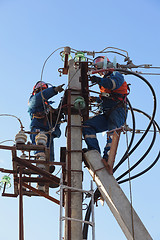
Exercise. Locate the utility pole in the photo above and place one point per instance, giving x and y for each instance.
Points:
(73, 199)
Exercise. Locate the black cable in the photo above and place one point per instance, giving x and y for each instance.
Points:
(133, 132)
(85, 230)
(152, 117)
(97, 194)
(144, 155)
(154, 162)
(141, 173)
(87, 217)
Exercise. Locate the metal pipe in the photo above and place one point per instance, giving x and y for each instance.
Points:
(93, 217)
(61, 206)
(69, 164)
(21, 236)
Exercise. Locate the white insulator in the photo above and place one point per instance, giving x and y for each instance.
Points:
(41, 157)
(21, 137)
(41, 139)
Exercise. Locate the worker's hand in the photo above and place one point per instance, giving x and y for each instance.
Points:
(108, 73)
(92, 99)
(95, 79)
(59, 88)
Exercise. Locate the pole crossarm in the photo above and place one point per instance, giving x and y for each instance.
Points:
(41, 193)
(44, 173)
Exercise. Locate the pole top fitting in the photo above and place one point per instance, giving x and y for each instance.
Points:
(67, 50)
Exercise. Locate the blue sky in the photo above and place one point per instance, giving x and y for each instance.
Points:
(29, 32)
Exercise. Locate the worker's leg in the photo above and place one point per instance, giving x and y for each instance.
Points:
(33, 136)
(50, 145)
(108, 146)
(115, 120)
(92, 126)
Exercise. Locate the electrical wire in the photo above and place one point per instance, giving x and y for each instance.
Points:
(60, 108)
(130, 189)
(127, 153)
(97, 194)
(10, 115)
(143, 172)
(116, 49)
(52, 128)
(152, 117)
(148, 73)
(47, 60)
(43, 99)
(145, 154)
(7, 141)
(133, 131)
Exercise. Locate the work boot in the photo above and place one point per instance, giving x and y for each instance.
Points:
(84, 150)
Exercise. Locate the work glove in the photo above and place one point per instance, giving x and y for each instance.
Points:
(59, 88)
(95, 79)
(108, 73)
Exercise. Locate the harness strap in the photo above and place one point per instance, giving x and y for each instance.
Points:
(39, 115)
(114, 96)
(119, 104)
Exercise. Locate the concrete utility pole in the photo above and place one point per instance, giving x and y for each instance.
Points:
(73, 199)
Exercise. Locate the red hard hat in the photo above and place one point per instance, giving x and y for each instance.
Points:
(39, 85)
(97, 62)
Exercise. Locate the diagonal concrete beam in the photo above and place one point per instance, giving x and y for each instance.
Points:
(116, 199)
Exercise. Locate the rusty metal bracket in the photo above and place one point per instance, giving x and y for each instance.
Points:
(40, 193)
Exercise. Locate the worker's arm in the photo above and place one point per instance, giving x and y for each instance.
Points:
(36, 100)
(113, 81)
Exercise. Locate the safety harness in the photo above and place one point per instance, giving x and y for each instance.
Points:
(49, 113)
(119, 96)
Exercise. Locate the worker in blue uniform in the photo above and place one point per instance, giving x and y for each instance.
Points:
(113, 90)
(40, 109)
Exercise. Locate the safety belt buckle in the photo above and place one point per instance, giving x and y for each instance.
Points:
(103, 94)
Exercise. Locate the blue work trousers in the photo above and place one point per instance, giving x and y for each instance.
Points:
(50, 142)
(98, 124)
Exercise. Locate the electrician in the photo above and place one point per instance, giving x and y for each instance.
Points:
(40, 109)
(113, 94)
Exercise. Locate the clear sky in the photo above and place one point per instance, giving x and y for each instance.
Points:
(29, 32)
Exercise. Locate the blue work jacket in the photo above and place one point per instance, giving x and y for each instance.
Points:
(36, 105)
(113, 81)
